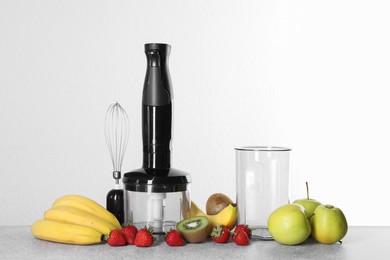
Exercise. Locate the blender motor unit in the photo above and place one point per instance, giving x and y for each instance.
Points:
(157, 194)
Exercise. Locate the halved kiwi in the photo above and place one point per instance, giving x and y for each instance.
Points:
(194, 229)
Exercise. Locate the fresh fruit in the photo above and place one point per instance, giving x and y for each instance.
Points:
(144, 237)
(227, 217)
(65, 233)
(129, 232)
(88, 205)
(116, 238)
(244, 228)
(220, 234)
(329, 224)
(216, 203)
(79, 217)
(173, 238)
(289, 225)
(194, 229)
(241, 238)
(309, 204)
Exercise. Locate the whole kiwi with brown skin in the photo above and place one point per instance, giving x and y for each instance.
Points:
(216, 203)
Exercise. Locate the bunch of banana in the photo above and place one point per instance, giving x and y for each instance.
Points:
(74, 219)
(65, 233)
(88, 205)
(227, 217)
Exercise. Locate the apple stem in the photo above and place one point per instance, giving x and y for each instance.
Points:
(340, 241)
(307, 190)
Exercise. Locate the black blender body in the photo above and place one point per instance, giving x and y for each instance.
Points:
(157, 100)
(157, 194)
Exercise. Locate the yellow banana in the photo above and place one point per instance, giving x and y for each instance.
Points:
(88, 205)
(227, 217)
(65, 233)
(79, 217)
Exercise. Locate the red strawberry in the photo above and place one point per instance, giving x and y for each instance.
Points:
(244, 228)
(173, 238)
(241, 238)
(116, 238)
(129, 233)
(220, 234)
(144, 237)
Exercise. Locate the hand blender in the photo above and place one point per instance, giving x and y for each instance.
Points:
(156, 194)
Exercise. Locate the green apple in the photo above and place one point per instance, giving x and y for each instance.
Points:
(309, 204)
(289, 225)
(329, 224)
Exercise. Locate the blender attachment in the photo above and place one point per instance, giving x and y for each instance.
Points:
(262, 185)
(116, 131)
(157, 194)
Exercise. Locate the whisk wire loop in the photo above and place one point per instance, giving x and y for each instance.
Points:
(116, 131)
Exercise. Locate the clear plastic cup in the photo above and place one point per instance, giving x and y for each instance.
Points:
(262, 179)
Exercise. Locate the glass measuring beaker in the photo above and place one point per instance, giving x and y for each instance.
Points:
(262, 183)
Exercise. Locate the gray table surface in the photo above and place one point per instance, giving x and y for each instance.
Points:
(17, 242)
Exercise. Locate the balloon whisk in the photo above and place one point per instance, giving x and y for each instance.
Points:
(116, 130)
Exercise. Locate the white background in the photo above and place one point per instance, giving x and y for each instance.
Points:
(311, 75)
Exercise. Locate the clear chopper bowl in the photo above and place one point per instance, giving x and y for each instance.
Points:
(161, 210)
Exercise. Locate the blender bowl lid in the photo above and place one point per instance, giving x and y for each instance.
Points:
(156, 180)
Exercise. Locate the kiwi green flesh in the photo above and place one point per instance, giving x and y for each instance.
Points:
(194, 229)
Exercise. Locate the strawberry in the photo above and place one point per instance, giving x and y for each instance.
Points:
(144, 237)
(220, 234)
(244, 228)
(241, 238)
(173, 238)
(129, 233)
(116, 238)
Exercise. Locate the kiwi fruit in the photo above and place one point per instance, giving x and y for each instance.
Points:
(216, 203)
(194, 229)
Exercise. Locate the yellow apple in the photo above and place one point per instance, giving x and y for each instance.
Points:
(289, 225)
(329, 224)
(309, 204)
